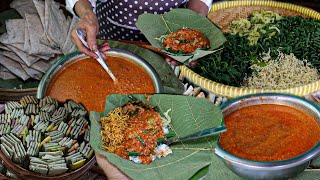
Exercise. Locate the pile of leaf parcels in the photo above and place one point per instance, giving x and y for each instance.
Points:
(45, 136)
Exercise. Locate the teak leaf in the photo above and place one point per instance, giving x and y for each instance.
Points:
(188, 115)
(153, 26)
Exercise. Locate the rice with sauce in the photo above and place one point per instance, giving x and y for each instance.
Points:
(135, 131)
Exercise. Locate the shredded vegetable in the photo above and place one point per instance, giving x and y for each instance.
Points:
(283, 72)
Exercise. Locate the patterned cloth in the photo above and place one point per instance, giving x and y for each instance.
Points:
(117, 17)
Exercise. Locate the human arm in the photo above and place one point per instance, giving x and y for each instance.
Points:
(88, 21)
(200, 6)
(111, 171)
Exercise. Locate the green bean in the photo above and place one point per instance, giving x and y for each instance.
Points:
(141, 141)
(132, 153)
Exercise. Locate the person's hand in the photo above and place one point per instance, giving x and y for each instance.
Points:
(198, 6)
(89, 23)
(111, 171)
(103, 48)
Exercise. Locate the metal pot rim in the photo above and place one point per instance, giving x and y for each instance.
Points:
(41, 91)
(283, 164)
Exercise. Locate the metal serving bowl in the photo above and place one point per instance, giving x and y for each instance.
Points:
(276, 169)
(60, 65)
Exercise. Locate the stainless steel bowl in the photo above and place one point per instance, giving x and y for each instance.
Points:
(76, 56)
(276, 169)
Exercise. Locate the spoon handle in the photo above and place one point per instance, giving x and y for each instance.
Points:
(83, 36)
(104, 65)
(198, 135)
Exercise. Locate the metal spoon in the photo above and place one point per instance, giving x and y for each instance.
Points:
(83, 36)
(197, 135)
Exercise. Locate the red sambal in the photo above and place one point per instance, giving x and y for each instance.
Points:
(139, 135)
(269, 132)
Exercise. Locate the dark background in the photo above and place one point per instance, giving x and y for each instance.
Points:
(314, 4)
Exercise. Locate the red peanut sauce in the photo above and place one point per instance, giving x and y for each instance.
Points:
(269, 133)
(86, 82)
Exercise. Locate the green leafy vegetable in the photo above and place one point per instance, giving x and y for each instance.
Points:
(154, 26)
(170, 134)
(145, 131)
(160, 141)
(141, 141)
(230, 65)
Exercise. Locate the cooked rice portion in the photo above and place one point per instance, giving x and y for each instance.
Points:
(286, 71)
(134, 131)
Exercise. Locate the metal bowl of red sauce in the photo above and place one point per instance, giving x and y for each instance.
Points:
(269, 136)
(82, 79)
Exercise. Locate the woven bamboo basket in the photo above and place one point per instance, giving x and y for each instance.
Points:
(222, 14)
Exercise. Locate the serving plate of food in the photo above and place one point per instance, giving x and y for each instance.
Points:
(160, 116)
(135, 145)
(182, 34)
(270, 47)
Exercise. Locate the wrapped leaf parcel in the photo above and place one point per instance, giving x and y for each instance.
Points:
(45, 136)
(188, 115)
(155, 26)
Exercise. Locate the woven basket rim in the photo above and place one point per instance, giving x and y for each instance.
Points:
(267, 3)
(233, 91)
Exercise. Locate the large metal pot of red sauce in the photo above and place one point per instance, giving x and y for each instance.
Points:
(269, 136)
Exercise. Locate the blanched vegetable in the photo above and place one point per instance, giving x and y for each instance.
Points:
(283, 72)
(258, 25)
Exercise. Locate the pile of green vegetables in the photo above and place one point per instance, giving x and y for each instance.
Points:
(250, 38)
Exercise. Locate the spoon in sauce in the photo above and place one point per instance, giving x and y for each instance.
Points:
(83, 36)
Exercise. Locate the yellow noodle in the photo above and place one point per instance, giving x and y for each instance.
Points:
(112, 128)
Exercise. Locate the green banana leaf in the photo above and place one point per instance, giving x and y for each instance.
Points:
(188, 115)
(155, 25)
